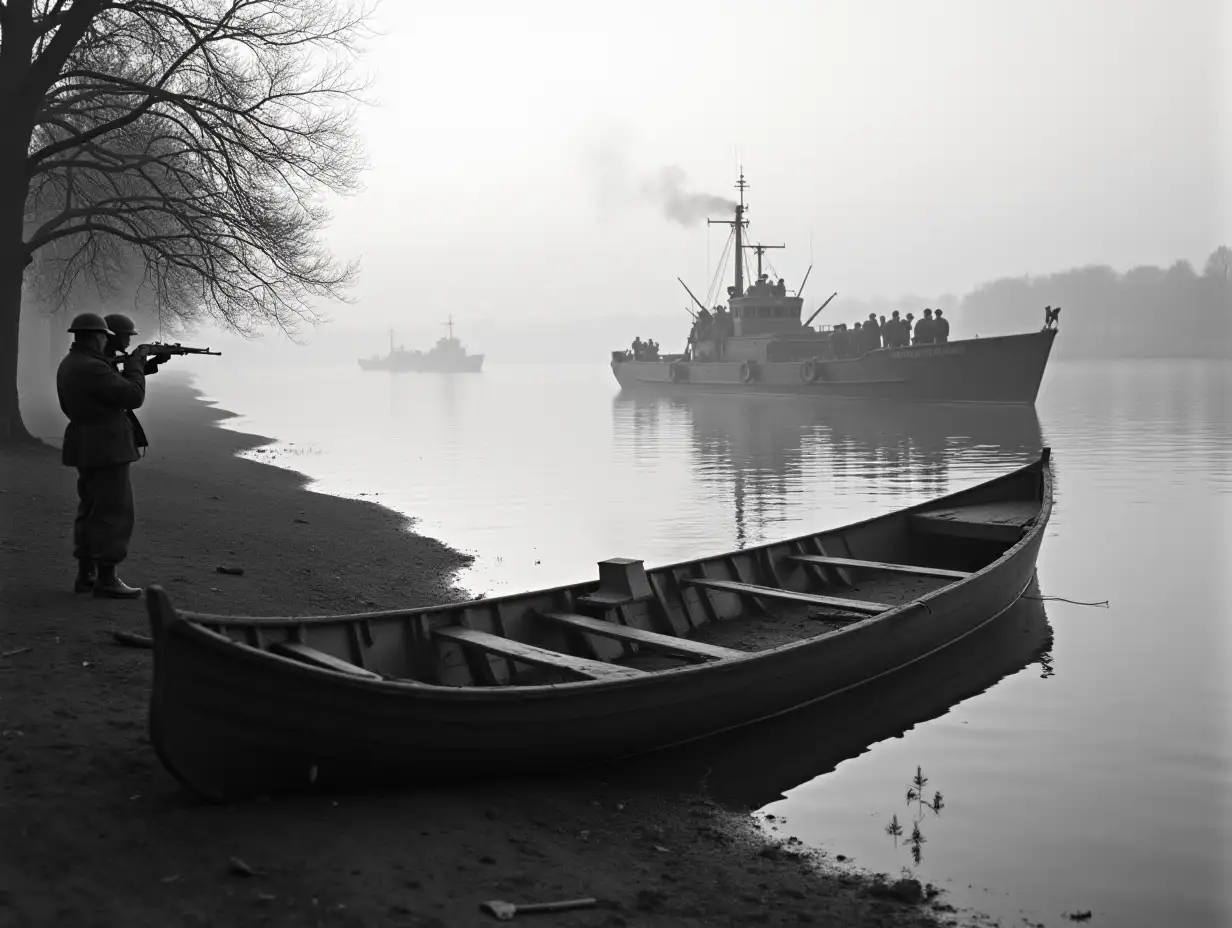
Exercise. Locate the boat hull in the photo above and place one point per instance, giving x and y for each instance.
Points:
(1005, 369)
(231, 720)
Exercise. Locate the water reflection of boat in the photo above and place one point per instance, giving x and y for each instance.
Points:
(773, 434)
(765, 450)
(756, 766)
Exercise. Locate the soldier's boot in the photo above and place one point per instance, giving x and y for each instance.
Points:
(85, 577)
(107, 584)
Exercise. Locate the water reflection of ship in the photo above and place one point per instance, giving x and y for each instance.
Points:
(755, 766)
(407, 397)
(764, 449)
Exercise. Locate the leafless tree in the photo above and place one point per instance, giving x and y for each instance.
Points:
(190, 141)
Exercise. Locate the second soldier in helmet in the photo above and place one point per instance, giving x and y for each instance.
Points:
(122, 331)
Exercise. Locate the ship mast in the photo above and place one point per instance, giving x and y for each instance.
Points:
(450, 325)
(738, 224)
(759, 250)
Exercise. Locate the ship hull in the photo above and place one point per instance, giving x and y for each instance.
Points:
(1003, 370)
(471, 364)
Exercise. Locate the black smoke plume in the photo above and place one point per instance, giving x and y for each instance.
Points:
(667, 190)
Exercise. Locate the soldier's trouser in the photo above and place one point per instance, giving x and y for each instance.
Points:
(105, 514)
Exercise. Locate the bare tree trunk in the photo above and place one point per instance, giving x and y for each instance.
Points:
(12, 269)
(12, 428)
(17, 118)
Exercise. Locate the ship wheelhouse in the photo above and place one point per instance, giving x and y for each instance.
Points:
(771, 314)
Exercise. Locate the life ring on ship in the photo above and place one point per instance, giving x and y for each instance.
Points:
(747, 372)
(809, 370)
(677, 372)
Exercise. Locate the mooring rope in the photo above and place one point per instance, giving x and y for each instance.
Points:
(1077, 602)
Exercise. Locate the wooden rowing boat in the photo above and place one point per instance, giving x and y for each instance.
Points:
(589, 672)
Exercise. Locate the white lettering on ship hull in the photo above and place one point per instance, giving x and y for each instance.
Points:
(929, 352)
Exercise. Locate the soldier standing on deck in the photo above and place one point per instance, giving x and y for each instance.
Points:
(941, 328)
(894, 329)
(100, 442)
(872, 333)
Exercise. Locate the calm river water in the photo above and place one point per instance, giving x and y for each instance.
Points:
(1084, 753)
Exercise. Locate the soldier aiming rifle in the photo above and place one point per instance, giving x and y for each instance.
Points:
(122, 331)
(98, 388)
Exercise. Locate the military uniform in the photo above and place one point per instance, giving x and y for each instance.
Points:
(941, 328)
(872, 334)
(101, 440)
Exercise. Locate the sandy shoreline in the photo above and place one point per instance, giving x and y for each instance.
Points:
(97, 833)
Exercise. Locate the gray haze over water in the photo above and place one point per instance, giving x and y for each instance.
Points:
(548, 165)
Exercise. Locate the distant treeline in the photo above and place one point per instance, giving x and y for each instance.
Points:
(1143, 312)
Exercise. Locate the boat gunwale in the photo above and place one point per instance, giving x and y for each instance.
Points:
(194, 625)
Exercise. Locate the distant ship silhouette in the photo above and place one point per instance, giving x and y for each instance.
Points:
(449, 356)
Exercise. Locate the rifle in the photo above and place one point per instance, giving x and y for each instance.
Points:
(163, 348)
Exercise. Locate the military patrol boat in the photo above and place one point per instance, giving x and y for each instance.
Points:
(759, 344)
(449, 356)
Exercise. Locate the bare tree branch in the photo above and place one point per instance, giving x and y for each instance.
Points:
(190, 145)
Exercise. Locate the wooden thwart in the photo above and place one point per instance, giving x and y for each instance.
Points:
(539, 657)
(989, 521)
(307, 655)
(682, 647)
(880, 565)
(770, 592)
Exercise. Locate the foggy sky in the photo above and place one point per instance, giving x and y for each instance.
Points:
(919, 147)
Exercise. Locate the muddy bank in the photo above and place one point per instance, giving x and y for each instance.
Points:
(97, 833)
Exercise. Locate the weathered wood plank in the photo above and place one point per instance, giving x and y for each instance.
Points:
(813, 599)
(539, 657)
(666, 643)
(882, 565)
(307, 655)
(1003, 521)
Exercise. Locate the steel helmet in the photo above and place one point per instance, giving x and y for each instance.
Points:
(89, 322)
(120, 324)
